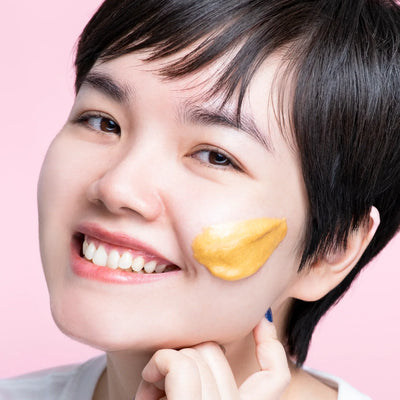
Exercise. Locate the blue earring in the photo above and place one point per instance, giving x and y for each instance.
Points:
(268, 315)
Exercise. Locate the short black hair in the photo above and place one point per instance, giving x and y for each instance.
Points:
(343, 60)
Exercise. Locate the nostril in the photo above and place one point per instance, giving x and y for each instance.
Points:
(122, 189)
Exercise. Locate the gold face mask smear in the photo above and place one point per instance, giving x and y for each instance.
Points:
(236, 250)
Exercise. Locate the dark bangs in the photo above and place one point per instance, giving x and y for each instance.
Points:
(253, 30)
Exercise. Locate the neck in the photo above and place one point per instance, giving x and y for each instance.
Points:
(122, 376)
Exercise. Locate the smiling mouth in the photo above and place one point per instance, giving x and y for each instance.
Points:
(113, 257)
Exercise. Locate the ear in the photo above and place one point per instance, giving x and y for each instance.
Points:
(322, 276)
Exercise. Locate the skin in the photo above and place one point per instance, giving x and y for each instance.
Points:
(236, 250)
(158, 182)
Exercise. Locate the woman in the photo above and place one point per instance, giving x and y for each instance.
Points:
(175, 130)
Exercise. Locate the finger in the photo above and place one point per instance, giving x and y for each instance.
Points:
(180, 375)
(270, 353)
(148, 391)
(209, 388)
(272, 380)
(218, 365)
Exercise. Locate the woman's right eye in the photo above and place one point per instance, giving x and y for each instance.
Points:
(100, 123)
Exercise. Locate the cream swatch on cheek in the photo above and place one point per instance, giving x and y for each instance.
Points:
(236, 250)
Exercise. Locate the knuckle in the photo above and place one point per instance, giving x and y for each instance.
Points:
(189, 352)
(186, 360)
(161, 355)
(181, 361)
(207, 345)
(277, 347)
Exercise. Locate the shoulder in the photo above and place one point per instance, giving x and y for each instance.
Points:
(56, 383)
(345, 391)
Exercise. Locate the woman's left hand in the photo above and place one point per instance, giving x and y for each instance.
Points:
(203, 373)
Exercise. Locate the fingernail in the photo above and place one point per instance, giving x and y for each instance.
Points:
(268, 315)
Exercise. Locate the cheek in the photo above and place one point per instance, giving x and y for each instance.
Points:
(221, 253)
(236, 250)
(57, 177)
(66, 173)
(206, 205)
(61, 193)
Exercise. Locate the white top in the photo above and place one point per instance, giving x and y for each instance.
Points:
(345, 391)
(71, 382)
(77, 382)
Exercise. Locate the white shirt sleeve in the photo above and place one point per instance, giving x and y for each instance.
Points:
(72, 382)
(345, 391)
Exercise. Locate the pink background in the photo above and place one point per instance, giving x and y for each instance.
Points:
(358, 340)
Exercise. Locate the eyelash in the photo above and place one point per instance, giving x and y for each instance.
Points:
(217, 152)
(85, 118)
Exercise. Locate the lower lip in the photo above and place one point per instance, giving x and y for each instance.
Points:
(86, 269)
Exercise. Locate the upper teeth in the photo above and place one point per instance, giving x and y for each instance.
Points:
(115, 260)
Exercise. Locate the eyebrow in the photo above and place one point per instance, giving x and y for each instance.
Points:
(203, 116)
(106, 85)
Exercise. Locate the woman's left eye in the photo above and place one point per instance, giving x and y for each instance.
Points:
(215, 158)
(101, 123)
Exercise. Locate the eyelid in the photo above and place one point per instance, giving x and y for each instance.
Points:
(83, 118)
(235, 165)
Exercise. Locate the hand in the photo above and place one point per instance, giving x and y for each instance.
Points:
(203, 373)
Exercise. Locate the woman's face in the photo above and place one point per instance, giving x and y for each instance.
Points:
(141, 166)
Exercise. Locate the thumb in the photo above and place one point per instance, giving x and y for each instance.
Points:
(274, 375)
(270, 352)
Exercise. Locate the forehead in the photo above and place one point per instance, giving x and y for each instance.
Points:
(200, 84)
(219, 80)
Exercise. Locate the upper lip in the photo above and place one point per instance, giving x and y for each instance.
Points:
(121, 240)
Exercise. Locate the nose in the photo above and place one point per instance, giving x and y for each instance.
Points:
(128, 187)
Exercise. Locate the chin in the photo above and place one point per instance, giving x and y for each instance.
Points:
(109, 331)
(114, 334)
